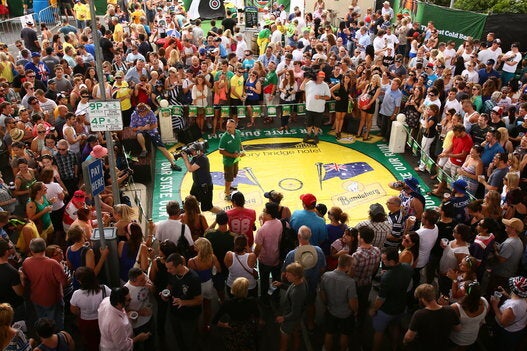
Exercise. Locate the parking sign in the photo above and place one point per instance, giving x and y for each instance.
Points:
(105, 116)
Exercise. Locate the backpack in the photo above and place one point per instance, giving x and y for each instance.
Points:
(288, 239)
(183, 247)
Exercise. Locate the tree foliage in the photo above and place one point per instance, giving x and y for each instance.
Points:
(490, 6)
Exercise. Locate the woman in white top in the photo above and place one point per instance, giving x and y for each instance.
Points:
(471, 311)
(453, 254)
(511, 316)
(200, 91)
(240, 263)
(84, 304)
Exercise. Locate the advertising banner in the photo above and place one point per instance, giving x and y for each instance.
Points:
(451, 24)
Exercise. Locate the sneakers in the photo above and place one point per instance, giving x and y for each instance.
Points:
(233, 188)
(227, 197)
(315, 139)
(143, 154)
(175, 167)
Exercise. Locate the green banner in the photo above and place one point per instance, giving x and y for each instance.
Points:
(451, 24)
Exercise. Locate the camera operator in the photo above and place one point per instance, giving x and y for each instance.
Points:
(199, 166)
(317, 92)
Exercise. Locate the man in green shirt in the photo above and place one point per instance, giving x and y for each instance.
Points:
(231, 148)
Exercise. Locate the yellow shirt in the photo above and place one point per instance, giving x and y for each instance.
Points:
(136, 15)
(65, 45)
(21, 244)
(122, 91)
(237, 83)
(118, 32)
(82, 12)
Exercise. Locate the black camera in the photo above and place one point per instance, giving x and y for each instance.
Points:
(196, 146)
(310, 72)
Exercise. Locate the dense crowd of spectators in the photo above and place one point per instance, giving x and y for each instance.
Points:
(463, 261)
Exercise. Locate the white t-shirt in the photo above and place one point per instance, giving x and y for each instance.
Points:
(140, 299)
(54, 189)
(312, 89)
(456, 105)
(171, 229)
(517, 58)
(470, 77)
(427, 241)
(88, 303)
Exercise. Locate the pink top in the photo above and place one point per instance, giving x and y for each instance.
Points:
(268, 236)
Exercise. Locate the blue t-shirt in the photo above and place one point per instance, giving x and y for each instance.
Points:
(314, 222)
(489, 152)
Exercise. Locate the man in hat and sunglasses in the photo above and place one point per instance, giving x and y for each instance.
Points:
(144, 123)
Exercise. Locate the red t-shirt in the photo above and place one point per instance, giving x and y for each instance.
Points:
(241, 221)
(460, 145)
(46, 278)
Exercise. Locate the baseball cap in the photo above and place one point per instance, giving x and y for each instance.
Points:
(376, 209)
(35, 54)
(308, 199)
(497, 109)
(430, 65)
(496, 41)
(515, 223)
(491, 62)
(321, 74)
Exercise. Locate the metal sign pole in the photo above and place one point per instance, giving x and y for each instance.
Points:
(107, 135)
(94, 175)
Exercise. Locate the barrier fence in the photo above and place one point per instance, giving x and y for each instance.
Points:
(10, 30)
(258, 111)
(428, 161)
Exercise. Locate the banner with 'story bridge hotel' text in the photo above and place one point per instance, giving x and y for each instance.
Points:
(451, 24)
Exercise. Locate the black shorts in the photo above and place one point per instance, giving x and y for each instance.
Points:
(252, 102)
(203, 194)
(234, 106)
(335, 325)
(314, 119)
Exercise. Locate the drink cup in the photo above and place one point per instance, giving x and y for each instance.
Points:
(133, 315)
(165, 293)
(497, 295)
(412, 218)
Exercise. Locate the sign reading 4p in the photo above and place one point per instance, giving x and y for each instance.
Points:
(105, 116)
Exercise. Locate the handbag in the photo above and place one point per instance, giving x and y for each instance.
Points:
(364, 100)
(254, 272)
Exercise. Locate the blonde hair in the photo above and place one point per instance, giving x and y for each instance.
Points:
(513, 180)
(126, 212)
(204, 249)
(514, 162)
(504, 135)
(295, 269)
(375, 80)
(240, 287)
(6, 317)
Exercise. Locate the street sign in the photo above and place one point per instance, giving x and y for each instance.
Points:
(95, 174)
(105, 116)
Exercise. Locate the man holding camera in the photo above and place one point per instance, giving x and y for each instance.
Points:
(317, 92)
(199, 166)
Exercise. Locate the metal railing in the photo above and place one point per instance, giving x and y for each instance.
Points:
(10, 30)
(49, 15)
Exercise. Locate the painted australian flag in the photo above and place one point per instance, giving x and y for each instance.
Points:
(346, 170)
(241, 178)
